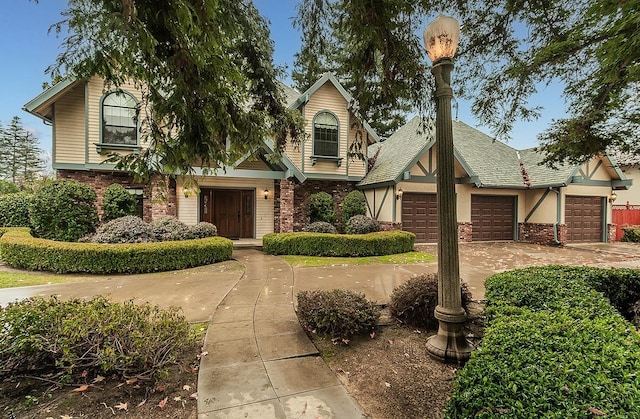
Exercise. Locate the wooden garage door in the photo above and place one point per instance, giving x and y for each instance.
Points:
(583, 217)
(492, 217)
(420, 216)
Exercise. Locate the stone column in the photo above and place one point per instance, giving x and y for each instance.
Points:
(287, 187)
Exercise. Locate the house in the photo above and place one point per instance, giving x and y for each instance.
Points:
(626, 209)
(502, 193)
(248, 200)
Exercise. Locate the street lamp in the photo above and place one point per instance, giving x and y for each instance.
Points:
(441, 40)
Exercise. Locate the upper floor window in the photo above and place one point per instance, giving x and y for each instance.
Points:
(325, 135)
(119, 119)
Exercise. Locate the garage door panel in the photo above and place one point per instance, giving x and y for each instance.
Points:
(419, 216)
(492, 217)
(584, 218)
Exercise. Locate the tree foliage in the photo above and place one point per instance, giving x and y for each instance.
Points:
(206, 66)
(21, 161)
(508, 50)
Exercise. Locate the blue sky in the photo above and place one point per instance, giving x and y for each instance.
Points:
(27, 50)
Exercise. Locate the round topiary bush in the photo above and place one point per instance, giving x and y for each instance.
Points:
(320, 207)
(354, 204)
(169, 228)
(337, 313)
(14, 209)
(63, 210)
(320, 227)
(359, 224)
(414, 301)
(203, 230)
(117, 202)
(129, 229)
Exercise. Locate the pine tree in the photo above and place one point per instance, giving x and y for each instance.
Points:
(21, 160)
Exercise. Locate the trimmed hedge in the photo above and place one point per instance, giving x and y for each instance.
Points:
(554, 347)
(20, 250)
(350, 245)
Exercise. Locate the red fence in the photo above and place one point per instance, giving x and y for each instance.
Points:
(625, 215)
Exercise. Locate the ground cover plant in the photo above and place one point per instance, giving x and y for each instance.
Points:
(554, 347)
(320, 227)
(360, 224)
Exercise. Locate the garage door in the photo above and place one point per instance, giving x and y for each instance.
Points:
(420, 216)
(492, 217)
(583, 217)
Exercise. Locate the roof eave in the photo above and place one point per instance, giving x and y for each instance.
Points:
(46, 98)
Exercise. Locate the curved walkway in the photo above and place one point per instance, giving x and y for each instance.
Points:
(260, 363)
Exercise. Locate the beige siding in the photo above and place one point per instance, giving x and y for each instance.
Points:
(328, 98)
(69, 128)
(188, 207)
(632, 195)
(95, 91)
(253, 165)
(357, 167)
(381, 203)
(546, 211)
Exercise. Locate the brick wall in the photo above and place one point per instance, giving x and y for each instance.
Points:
(611, 233)
(284, 206)
(465, 231)
(158, 199)
(389, 226)
(541, 233)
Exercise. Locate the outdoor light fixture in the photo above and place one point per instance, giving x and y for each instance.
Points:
(266, 193)
(399, 194)
(441, 41)
(613, 196)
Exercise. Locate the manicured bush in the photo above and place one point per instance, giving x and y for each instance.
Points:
(203, 230)
(320, 208)
(359, 224)
(353, 204)
(14, 209)
(97, 336)
(20, 250)
(129, 229)
(63, 210)
(414, 301)
(320, 227)
(339, 314)
(117, 202)
(554, 347)
(170, 228)
(353, 245)
(7, 187)
(631, 234)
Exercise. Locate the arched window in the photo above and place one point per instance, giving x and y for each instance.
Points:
(119, 119)
(325, 135)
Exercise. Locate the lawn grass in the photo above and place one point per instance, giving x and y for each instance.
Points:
(23, 279)
(398, 259)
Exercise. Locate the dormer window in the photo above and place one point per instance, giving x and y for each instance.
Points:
(325, 135)
(120, 119)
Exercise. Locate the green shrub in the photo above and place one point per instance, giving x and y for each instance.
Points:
(414, 301)
(554, 347)
(320, 207)
(63, 210)
(98, 336)
(20, 250)
(352, 245)
(320, 227)
(339, 314)
(117, 202)
(203, 230)
(14, 209)
(129, 229)
(359, 224)
(631, 234)
(7, 187)
(353, 204)
(169, 228)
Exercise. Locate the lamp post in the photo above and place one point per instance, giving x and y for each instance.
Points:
(441, 40)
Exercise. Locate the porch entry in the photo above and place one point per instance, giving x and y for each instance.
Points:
(231, 210)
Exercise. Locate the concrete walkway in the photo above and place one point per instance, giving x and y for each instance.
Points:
(260, 363)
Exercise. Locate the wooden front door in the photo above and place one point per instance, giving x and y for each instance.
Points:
(231, 210)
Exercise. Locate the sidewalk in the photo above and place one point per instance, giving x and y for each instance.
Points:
(260, 363)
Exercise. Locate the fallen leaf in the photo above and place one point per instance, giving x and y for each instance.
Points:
(390, 342)
(98, 379)
(177, 399)
(122, 406)
(161, 388)
(186, 387)
(387, 384)
(163, 403)
(83, 387)
(194, 368)
(65, 417)
(203, 353)
(84, 374)
(194, 396)
(141, 403)
(373, 335)
(596, 412)
(132, 380)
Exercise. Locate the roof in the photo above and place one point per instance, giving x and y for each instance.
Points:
(626, 159)
(488, 162)
(41, 105)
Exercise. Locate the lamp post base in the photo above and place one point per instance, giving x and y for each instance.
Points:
(449, 344)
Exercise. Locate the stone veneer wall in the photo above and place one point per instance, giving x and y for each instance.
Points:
(158, 199)
(465, 231)
(541, 233)
(389, 225)
(611, 233)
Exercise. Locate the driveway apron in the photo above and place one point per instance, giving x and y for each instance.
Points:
(259, 362)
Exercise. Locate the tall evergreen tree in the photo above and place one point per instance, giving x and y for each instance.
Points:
(21, 160)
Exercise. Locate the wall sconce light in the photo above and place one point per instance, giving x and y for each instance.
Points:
(266, 193)
(613, 196)
(399, 194)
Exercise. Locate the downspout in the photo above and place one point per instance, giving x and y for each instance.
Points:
(558, 208)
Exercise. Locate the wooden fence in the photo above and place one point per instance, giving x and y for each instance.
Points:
(624, 215)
